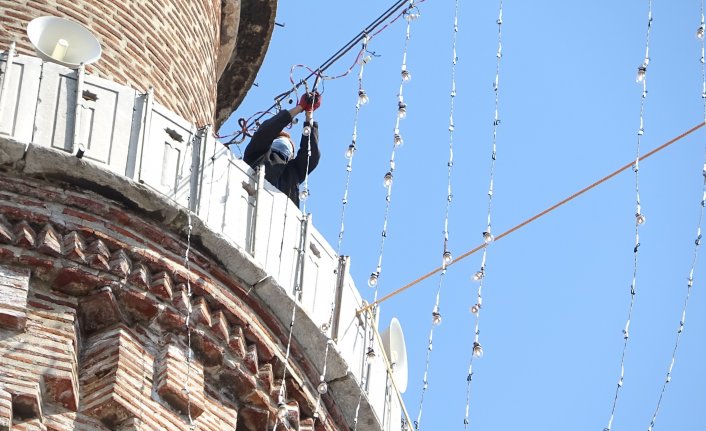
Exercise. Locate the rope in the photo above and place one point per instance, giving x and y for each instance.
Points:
(535, 217)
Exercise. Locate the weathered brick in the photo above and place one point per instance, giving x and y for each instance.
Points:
(14, 287)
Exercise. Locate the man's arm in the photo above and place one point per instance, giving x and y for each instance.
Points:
(269, 129)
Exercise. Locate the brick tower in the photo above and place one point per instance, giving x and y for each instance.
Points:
(148, 279)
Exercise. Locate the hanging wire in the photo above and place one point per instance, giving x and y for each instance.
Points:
(446, 257)
(362, 99)
(639, 216)
(697, 241)
(189, 294)
(411, 13)
(479, 276)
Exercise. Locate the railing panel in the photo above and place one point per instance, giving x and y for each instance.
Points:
(319, 288)
(167, 152)
(57, 98)
(19, 101)
(238, 201)
(106, 122)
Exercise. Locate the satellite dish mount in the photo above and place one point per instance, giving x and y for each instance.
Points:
(396, 351)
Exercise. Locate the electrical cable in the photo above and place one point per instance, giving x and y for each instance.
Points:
(535, 217)
(323, 67)
(697, 241)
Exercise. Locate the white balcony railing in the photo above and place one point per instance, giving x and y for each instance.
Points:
(128, 133)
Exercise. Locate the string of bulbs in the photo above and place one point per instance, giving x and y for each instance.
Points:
(697, 241)
(362, 99)
(411, 13)
(479, 276)
(446, 254)
(639, 216)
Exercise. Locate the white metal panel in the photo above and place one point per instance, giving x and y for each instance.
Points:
(351, 335)
(106, 122)
(238, 205)
(319, 287)
(55, 107)
(167, 154)
(280, 240)
(214, 182)
(20, 100)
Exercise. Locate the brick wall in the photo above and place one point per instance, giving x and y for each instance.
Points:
(93, 315)
(171, 45)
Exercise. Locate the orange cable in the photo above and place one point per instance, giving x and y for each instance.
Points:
(533, 218)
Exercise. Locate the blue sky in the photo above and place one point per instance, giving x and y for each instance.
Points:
(556, 292)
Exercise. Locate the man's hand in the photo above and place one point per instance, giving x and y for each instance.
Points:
(310, 101)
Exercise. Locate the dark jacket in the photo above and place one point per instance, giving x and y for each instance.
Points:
(286, 176)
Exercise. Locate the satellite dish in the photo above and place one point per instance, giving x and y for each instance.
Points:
(62, 41)
(396, 351)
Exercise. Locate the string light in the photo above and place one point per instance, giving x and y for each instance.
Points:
(401, 110)
(350, 152)
(373, 281)
(397, 142)
(488, 238)
(697, 241)
(301, 258)
(639, 216)
(362, 95)
(187, 323)
(446, 256)
(387, 180)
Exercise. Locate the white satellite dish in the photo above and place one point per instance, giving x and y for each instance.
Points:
(396, 351)
(64, 42)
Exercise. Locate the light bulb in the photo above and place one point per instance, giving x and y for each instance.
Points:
(406, 76)
(322, 388)
(370, 355)
(447, 257)
(398, 140)
(282, 411)
(373, 280)
(640, 218)
(303, 194)
(436, 317)
(478, 276)
(475, 308)
(60, 49)
(362, 97)
(700, 32)
(411, 16)
(488, 237)
(350, 151)
(402, 110)
(641, 72)
(387, 181)
(477, 349)
(306, 131)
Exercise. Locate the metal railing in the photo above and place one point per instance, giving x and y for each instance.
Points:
(130, 134)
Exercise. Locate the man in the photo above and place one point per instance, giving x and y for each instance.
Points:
(273, 148)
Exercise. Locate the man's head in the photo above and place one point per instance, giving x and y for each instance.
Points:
(283, 145)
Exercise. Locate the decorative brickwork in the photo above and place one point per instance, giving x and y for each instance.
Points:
(96, 336)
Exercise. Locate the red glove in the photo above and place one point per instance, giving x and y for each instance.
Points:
(310, 101)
